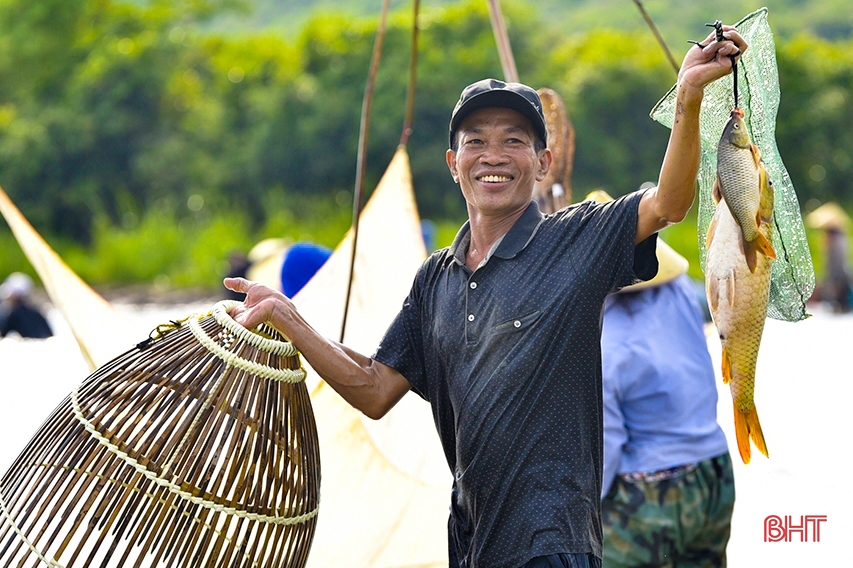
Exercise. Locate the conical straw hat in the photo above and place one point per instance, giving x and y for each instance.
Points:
(830, 215)
(671, 265)
(196, 448)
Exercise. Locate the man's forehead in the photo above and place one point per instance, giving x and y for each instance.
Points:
(501, 117)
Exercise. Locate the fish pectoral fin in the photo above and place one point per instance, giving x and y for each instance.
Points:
(756, 155)
(731, 286)
(717, 191)
(726, 367)
(709, 236)
(748, 427)
(712, 290)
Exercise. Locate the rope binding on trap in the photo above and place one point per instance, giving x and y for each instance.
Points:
(231, 331)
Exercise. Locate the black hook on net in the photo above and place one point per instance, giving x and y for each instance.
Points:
(718, 27)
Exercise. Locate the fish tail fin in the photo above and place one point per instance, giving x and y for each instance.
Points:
(748, 427)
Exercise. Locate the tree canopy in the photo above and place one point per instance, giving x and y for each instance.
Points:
(111, 109)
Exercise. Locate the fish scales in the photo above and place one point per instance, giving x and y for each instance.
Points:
(738, 169)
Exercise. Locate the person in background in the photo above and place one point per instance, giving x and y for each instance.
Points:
(836, 286)
(668, 485)
(301, 261)
(17, 315)
(837, 281)
(429, 232)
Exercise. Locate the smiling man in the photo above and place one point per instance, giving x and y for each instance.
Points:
(501, 331)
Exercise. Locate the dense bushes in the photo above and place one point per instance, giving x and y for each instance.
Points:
(119, 118)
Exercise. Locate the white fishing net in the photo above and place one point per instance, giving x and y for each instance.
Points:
(758, 95)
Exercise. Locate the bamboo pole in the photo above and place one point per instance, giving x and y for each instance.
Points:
(657, 35)
(367, 102)
(502, 40)
(410, 88)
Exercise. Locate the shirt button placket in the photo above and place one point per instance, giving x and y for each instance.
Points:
(469, 330)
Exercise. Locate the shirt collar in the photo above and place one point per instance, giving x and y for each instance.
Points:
(512, 243)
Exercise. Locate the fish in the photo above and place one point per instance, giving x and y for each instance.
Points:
(739, 166)
(738, 295)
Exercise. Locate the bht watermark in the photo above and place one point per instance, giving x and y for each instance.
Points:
(787, 528)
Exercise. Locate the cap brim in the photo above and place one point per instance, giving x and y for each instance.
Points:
(501, 99)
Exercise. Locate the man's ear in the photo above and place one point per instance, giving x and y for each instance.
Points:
(450, 157)
(545, 158)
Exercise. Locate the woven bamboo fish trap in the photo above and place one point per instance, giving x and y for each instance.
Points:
(198, 448)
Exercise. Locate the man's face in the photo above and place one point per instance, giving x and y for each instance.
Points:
(495, 162)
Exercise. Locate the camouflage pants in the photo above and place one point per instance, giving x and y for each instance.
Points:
(680, 522)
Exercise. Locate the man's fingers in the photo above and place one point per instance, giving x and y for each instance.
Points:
(732, 34)
(732, 37)
(237, 284)
(248, 318)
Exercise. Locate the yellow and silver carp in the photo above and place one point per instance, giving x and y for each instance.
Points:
(740, 174)
(738, 294)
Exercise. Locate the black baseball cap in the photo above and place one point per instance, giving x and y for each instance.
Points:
(494, 93)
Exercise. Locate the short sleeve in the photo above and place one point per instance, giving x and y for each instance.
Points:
(402, 346)
(611, 251)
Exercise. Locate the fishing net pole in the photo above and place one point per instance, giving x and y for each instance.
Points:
(792, 280)
(555, 191)
(361, 160)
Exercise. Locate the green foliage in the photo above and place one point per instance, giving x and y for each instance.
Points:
(323, 220)
(830, 19)
(682, 238)
(609, 87)
(129, 123)
(187, 252)
(813, 132)
(12, 259)
(445, 232)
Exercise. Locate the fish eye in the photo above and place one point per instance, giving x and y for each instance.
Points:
(736, 126)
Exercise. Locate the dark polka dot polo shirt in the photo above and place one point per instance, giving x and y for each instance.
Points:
(509, 358)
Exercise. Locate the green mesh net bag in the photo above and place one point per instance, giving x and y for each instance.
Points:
(792, 280)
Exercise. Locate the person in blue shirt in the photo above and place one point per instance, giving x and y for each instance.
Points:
(668, 486)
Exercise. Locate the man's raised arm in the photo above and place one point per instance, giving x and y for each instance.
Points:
(670, 201)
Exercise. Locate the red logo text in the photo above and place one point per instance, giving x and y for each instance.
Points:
(805, 528)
